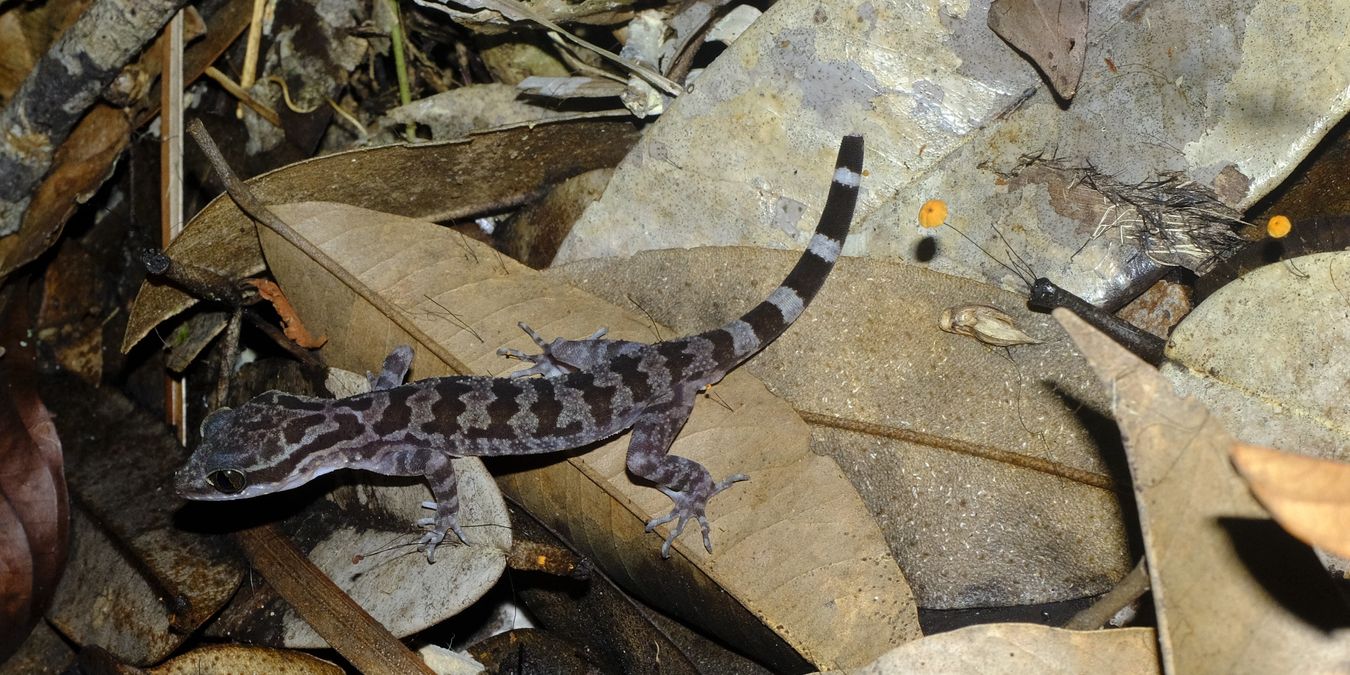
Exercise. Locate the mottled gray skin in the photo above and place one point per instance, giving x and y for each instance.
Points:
(588, 390)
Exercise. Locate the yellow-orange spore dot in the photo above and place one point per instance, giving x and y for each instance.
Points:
(933, 213)
(1278, 226)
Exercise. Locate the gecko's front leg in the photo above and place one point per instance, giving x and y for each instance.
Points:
(438, 469)
(394, 370)
(561, 356)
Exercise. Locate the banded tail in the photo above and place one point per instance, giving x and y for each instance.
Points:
(767, 320)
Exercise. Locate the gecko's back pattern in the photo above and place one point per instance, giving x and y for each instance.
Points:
(592, 389)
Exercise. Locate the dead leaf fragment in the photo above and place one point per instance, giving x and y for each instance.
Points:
(1052, 33)
(245, 659)
(1232, 593)
(1309, 497)
(290, 322)
(34, 511)
(488, 172)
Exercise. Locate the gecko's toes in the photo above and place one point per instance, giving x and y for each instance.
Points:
(707, 536)
(728, 482)
(678, 512)
(428, 543)
(657, 522)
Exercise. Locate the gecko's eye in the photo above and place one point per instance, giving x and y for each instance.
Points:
(228, 481)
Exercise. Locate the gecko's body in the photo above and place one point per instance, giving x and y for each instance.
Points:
(590, 390)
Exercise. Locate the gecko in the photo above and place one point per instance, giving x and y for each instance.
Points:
(574, 393)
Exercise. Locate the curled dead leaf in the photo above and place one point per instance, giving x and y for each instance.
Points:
(1310, 497)
(290, 321)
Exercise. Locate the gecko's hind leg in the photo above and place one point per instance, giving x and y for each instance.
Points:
(685, 481)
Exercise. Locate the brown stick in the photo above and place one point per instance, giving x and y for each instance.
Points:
(1134, 585)
(355, 634)
(973, 449)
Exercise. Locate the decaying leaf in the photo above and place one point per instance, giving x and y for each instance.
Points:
(974, 464)
(488, 172)
(1052, 33)
(81, 165)
(34, 510)
(1233, 593)
(157, 579)
(469, 298)
(1309, 497)
(1023, 649)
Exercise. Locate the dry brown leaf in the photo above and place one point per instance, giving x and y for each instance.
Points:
(1269, 355)
(1233, 594)
(1052, 33)
(488, 172)
(1309, 497)
(81, 165)
(245, 659)
(1023, 649)
(832, 591)
(968, 530)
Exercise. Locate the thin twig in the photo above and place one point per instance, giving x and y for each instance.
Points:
(244, 97)
(1131, 588)
(401, 66)
(249, 203)
(252, 46)
(973, 449)
(198, 281)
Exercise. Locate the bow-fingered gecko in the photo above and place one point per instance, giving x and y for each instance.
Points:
(588, 390)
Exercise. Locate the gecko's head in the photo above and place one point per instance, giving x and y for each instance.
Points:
(255, 449)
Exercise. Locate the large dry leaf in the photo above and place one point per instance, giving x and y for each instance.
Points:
(943, 103)
(1269, 354)
(486, 173)
(968, 531)
(1023, 649)
(244, 659)
(1309, 497)
(1233, 594)
(832, 591)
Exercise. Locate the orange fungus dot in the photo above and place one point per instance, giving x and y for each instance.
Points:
(1278, 226)
(933, 213)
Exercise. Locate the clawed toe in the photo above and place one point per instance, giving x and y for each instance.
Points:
(689, 506)
(440, 525)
